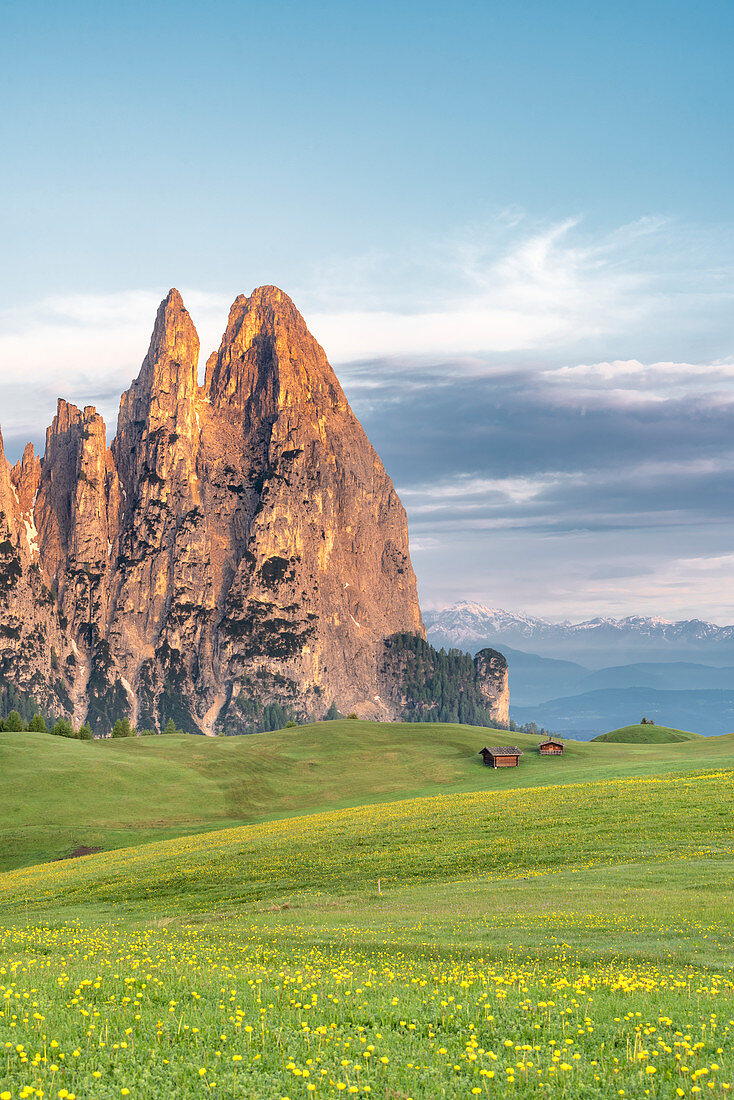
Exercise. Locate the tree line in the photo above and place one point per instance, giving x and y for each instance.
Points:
(532, 728)
(14, 723)
(436, 685)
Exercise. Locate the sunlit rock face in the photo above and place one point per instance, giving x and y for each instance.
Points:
(239, 547)
(34, 647)
(494, 684)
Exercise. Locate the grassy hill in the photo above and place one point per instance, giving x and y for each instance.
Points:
(493, 835)
(499, 942)
(60, 795)
(646, 735)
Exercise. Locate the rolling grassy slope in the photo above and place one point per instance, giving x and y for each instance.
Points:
(61, 794)
(563, 941)
(646, 735)
(494, 835)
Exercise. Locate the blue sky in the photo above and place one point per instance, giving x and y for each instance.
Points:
(515, 217)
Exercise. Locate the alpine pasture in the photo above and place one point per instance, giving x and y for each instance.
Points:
(427, 928)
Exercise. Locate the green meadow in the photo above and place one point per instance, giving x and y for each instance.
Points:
(365, 910)
(60, 795)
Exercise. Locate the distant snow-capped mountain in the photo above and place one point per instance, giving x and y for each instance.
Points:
(592, 641)
(463, 623)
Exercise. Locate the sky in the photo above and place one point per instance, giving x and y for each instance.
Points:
(510, 226)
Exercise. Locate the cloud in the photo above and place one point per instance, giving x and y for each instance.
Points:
(465, 493)
(692, 586)
(629, 382)
(511, 285)
(536, 289)
(503, 294)
(555, 405)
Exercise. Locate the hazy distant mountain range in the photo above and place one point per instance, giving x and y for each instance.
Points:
(590, 713)
(594, 642)
(585, 678)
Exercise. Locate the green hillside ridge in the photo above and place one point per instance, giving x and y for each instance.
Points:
(61, 795)
(646, 734)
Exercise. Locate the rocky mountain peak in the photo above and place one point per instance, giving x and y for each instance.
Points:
(157, 418)
(8, 502)
(167, 380)
(31, 633)
(268, 357)
(174, 345)
(237, 557)
(494, 683)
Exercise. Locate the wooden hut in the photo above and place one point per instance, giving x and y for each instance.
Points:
(507, 756)
(551, 747)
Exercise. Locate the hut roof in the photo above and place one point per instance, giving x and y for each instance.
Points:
(552, 741)
(503, 750)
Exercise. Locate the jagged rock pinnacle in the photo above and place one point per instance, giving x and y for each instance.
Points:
(268, 352)
(239, 546)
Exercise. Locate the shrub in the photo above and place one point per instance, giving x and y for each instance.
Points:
(63, 728)
(85, 732)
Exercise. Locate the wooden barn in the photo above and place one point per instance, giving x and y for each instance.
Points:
(507, 756)
(551, 747)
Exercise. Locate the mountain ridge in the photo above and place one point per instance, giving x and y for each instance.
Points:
(709, 711)
(468, 623)
(238, 555)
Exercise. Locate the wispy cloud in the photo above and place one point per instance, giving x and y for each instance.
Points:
(501, 288)
(513, 285)
(466, 493)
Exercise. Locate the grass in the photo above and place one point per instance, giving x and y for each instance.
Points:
(646, 735)
(560, 930)
(495, 836)
(60, 795)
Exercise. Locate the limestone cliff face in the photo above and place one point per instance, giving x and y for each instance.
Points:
(161, 594)
(494, 684)
(316, 536)
(35, 658)
(239, 547)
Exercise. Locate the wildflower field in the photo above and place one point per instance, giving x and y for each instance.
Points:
(561, 940)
